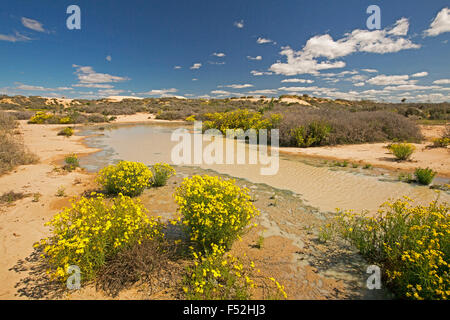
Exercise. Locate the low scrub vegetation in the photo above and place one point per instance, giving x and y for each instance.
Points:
(161, 173)
(71, 162)
(12, 151)
(424, 176)
(214, 210)
(67, 132)
(402, 151)
(409, 243)
(126, 177)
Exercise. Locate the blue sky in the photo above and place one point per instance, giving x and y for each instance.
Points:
(226, 48)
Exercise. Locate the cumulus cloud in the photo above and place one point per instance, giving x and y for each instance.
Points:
(196, 66)
(297, 80)
(219, 54)
(263, 91)
(27, 87)
(160, 91)
(419, 74)
(260, 73)
(254, 58)
(177, 67)
(32, 24)
(108, 58)
(239, 86)
(264, 40)
(93, 85)
(383, 80)
(442, 81)
(86, 74)
(370, 70)
(239, 24)
(324, 47)
(440, 24)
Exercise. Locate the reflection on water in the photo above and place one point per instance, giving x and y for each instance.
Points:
(320, 187)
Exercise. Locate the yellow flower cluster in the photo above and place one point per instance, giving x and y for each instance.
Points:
(126, 177)
(161, 173)
(91, 231)
(40, 117)
(220, 275)
(214, 210)
(412, 244)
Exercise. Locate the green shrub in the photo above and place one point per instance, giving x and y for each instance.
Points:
(402, 151)
(127, 177)
(161, 173)
(67, 132)
(92, 231)
(71, 162)
(214, 210)
(424, 176)
(410, 244)
(65, 120)
(40, 117)
(315, 134)
(441, 142)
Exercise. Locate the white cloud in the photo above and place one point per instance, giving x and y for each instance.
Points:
(264, 40)
(370, 70)
(177, 67)
(217, 63)
(419, 74)
(86, 74)
(93, 85)
(160, 91)
(410, 87)
(254, 58)
(263, 91)
(17, 37)
(196, 66)
(323, 46)
(219, 54)
(383, 80)
(239, 24)
(194, 79)
(260, 73)
(440, 24)
(297, 80)
(359, 84)
(108, 58)
(32, 24)
(442, 81)
(239, 86)
(109, 92)
(27, 87)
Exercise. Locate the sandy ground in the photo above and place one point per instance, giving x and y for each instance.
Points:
(377, 155)
(22, 223)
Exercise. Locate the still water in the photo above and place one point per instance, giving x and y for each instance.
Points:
(320, 186)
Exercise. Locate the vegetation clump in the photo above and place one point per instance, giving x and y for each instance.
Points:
(92, 231)
(402, 151)
(126, 177)
(161, 173)
(424, 176)
(410, 244)
(214, 210)
(67, 132)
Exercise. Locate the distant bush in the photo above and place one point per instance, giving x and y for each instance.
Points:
(441, 142)
(161, 173)
(314, 134)
(402, 151)
(424, 176)
(126, 177)
(67, 132)
(40, 117)
(71, 162)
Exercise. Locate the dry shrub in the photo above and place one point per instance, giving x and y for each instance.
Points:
(12, 151)
(154, 263)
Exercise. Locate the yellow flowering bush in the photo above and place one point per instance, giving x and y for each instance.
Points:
(161, 173)
(214, 210)
(126, 177)
(410, 244)
(65, 120)
(92, 231)
(219, 275)
(40, 117)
